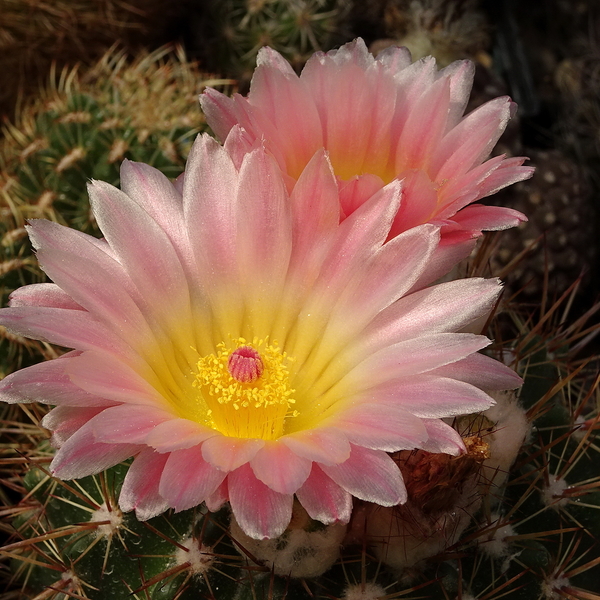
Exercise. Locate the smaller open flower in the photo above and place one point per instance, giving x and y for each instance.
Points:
(382, 119)
(246, 346)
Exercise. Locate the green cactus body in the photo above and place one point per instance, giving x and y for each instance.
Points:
(86, 546)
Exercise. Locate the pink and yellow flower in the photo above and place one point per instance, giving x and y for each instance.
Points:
(382, 119)
(245, 345)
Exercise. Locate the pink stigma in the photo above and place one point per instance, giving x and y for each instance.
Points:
(245, 364)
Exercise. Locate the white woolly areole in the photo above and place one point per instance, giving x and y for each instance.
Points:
(552, 494)
(297, 552)
(580, 431)
(70, 576)
(551, 587)
(199, 556)
(510, 431)
(496, 545)
(366, 591)
(69, 582)
(114, 516)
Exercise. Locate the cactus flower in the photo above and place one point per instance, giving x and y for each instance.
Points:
(382, 119)
(244, 345)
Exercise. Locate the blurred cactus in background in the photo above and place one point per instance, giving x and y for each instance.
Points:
(35, 34)
(446, 30)
(231, 32)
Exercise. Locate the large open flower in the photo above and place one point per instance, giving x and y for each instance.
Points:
(246, 346)
(382, 119)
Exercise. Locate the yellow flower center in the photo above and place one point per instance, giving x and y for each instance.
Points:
(247, 389)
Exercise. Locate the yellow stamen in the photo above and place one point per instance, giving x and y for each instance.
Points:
(247, 402)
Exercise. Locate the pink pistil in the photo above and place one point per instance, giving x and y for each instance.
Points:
(245, 364)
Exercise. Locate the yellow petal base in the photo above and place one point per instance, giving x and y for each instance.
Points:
(256, 409)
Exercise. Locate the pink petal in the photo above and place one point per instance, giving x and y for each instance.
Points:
(481, 371)
(263, 225)
(209, 205)
(80, 457)
(324, 500)
(281, 97)
(378, 427)
(82, 269)
(216, 500)
(433, 397)
(383, 100)
(419, 201)
(47, 383)
(357, 238)
(411, 83)
(345, 86)
(249, 119)
(472, 139)
(461, 74)
(267, 58)
(160, 199)
(315, 218)
(127, 423)
(85, 268)
(178, 434)
(149, 188)
(357, 190)
(178, 183)
(187, 479)
(387, 276)
(451, 250)
(509, 172)
(442, 308)
(423, 129)
(64, 421)
(48, 295)
(61, 326)
(395, 58)
(140, 488)
(383, 485)
(373, 285)
(482, 180)
(315, 210)
(260, 512)
(239, 143)
(138, 242)
(466, 187)
(411, 357)
(228, 453)
(354, 52)
(363, 232)
(442, 438)
(488, 218)
(106, 376)
(280, 468)
(328, 446)
(219, 111)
